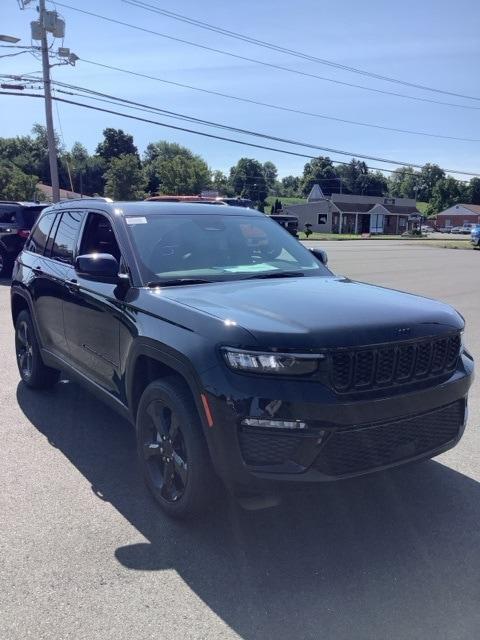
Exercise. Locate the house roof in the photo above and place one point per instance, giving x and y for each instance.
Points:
(363, 207)
(354, 207)
(474, 208)
(315, 194)
(47, 191)
(394, 208)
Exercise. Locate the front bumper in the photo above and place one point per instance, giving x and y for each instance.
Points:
(346, 436)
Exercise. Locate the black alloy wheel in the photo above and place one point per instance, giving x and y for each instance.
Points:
(31, 367)
(24, 349)
(172, 449)
(165, 452)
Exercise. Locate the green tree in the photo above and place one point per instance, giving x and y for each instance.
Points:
(173, 169)
(17, 185)
(353, 176)
(270, 172)
(164, 150)
(124, 179)
(474, 191)
(116, 143)
(290, 186)
(248, 180)
(221, 183)
(404, 182)
(179, 175)
(372, 183)
(445, 193)
(429, 175)
(319, 170)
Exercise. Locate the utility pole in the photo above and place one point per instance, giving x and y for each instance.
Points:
(52, 150)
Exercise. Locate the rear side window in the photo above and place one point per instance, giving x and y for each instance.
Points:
(28, 216)
(66, 236)
(38, 239)
(8, 217)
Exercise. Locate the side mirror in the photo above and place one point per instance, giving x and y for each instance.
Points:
(320, 255)
(102, 267)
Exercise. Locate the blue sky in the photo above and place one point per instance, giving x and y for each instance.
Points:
(430, 42)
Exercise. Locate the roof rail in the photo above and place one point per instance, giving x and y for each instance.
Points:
(86, 199)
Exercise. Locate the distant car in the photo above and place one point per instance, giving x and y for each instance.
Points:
(176, 198)
(427, 229)
(475, 236)
(16, 220)
(460, 230)
(237, 202)
(290, 223)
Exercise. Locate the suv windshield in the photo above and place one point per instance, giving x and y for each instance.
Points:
(217, 247)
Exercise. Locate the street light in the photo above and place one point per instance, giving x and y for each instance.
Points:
(10, 39)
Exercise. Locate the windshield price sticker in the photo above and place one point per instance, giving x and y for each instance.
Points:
(136, 220)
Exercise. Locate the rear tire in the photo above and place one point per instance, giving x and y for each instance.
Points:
(34, 373)
(172, 449)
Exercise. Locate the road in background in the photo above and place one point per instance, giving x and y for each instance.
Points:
(85, 553)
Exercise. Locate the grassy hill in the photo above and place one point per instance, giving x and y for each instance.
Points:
(271, 200)
(421, 206)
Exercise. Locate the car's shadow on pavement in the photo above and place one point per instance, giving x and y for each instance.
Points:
(396, 555)
(5, 282)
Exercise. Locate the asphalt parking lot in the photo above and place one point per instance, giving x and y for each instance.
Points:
(85, 553)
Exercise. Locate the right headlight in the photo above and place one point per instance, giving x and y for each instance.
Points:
(289, 364)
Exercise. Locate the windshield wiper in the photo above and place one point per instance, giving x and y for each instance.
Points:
(275, 274)
(176, 281)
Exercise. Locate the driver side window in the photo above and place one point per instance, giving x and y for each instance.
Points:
(98, 236)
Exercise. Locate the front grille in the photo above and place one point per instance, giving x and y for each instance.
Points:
(383, 366)
(355, 450)
(267, 448)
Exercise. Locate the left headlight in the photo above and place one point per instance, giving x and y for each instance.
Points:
(289, 364)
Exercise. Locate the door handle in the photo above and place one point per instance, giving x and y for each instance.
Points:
(73, 286)
(37, 270)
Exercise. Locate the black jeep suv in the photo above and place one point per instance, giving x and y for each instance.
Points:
(233, 349)
(16, 221)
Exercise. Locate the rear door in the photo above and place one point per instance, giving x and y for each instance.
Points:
(51, 271)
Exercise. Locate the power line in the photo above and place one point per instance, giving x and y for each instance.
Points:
(11, 55)
(278, 107)
(266, 64)
(209, 123)
(299, 54)
(217, 137)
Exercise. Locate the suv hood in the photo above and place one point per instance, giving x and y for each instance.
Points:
(312, 313)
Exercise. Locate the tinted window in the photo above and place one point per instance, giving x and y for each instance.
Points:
(28, 215)
(216, 247)
(66, 236)
(8, 216)
(38, 239)
(51, 237)
(98, 237)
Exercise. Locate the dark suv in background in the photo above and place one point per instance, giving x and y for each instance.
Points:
(16, 221)
(233, 349)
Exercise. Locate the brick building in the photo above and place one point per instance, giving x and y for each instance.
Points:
(459, 214)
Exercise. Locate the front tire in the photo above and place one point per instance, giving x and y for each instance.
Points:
(172, 450)
(34, 373)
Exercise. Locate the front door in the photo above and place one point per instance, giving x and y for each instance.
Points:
(93, 313)
(377, 221)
